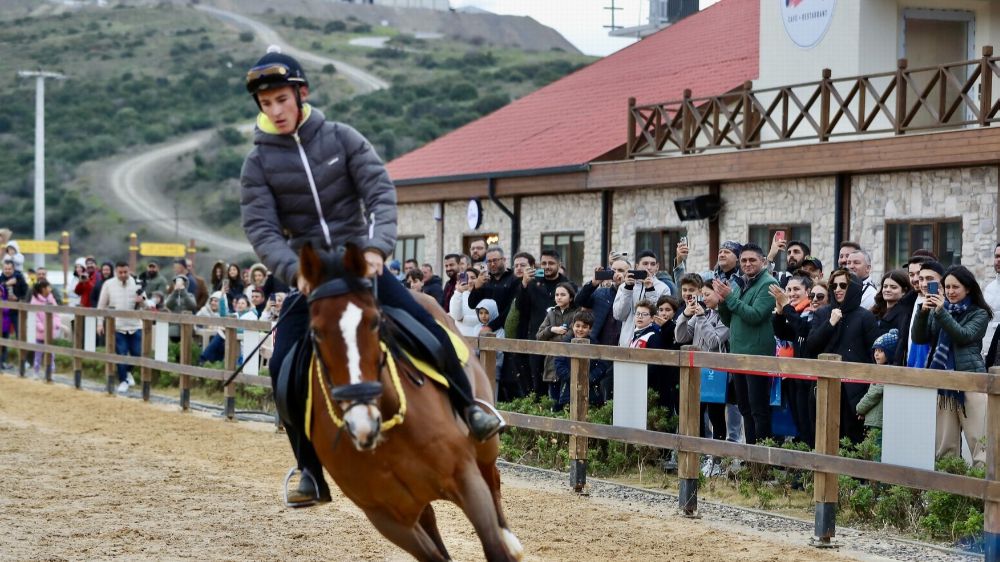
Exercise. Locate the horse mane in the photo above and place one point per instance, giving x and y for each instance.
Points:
(334, 268)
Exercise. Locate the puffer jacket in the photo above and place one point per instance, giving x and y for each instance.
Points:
(279, 211)
(966, 332)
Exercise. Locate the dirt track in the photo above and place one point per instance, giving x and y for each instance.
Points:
(85, 476)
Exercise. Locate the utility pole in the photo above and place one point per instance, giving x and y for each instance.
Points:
(40, 76)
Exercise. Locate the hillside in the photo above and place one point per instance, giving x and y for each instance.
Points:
(144, 73)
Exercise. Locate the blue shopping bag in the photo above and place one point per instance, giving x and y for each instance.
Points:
(713, 386)
(782, 423)
(776, 391)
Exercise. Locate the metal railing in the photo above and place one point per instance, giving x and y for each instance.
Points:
(936, 98)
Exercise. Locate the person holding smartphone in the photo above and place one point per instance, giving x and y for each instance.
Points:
(458, 307)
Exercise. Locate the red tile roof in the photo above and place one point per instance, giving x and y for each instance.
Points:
(584, 115)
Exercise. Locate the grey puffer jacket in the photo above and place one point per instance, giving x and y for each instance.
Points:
(279, 211)
(966, 333)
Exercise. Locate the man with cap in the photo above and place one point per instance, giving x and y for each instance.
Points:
(303, 182)
(812, 267)
(727, 266)
(152, 281)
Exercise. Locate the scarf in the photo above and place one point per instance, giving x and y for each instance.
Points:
(943, 358)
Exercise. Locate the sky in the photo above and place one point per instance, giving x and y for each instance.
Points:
(579, 21)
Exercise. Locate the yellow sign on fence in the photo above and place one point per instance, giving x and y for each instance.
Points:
(162, 250)
(38, 246)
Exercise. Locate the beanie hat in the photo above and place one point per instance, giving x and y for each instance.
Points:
(887, 342)
(733, 246)
(933, 266)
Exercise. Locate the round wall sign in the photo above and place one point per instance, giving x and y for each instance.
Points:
(806, 21)
(474, 214)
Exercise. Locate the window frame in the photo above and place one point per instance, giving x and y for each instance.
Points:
(666, 251)
(937, 241)
(788, 228)
(399, 251)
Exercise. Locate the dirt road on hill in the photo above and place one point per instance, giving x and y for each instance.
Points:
(86, 476)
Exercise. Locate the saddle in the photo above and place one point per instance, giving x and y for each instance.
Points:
(414, 341)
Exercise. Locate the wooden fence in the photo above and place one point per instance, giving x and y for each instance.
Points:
(895, 102)
(824, 461)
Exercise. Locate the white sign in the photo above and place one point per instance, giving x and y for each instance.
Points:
(161, 341)
(250, 341)
(909, 420)
(90, 333)
(474, 214)
(806, 21)
(630, 382)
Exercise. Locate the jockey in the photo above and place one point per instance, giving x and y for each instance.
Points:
(306, 179)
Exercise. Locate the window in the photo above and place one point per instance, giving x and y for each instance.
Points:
(943, 237)
(663, 242)
(409, 248)
(763, 234)
(570, 248)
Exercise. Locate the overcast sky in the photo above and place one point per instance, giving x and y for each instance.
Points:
(579, 21)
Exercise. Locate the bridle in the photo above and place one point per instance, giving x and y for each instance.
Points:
(358, 394)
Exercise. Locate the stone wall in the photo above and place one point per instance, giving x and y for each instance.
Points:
(555, 214)
(802, 201)
(653, 208)
(966, 193)
(417, 219)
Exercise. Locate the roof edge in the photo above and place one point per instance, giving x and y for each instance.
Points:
(567, 169)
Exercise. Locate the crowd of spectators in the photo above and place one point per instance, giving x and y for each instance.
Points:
(926, 316)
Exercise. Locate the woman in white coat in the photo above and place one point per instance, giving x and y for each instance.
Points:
(466, 318)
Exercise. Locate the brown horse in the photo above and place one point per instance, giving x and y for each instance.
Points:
(394, 469)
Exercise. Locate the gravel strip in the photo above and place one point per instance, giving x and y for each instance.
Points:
(869, 545)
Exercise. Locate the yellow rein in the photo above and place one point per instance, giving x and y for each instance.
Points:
(337, 420)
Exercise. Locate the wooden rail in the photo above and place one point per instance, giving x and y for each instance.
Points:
(824, 461)
(897, 102)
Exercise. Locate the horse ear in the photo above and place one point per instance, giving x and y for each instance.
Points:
(354, 261)
(310, 265)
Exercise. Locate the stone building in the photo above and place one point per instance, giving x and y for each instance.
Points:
(896, 159)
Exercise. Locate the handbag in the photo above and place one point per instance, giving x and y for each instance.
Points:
(713, 386)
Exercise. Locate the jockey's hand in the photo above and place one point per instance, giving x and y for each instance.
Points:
(376, 263)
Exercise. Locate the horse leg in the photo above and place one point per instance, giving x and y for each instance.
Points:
(428, 521)
(492, 477)
(476, 501)
(412, 539)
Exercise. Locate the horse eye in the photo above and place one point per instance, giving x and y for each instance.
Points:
(374, 324)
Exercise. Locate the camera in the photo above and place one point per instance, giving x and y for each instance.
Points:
(604, 275)
(639, 274)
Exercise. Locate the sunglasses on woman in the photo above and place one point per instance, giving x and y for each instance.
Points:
(817, 296)
(840, 285)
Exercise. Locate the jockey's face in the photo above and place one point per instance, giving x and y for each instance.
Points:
(282, 108)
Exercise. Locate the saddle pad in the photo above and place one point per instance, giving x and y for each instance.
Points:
(461, 350)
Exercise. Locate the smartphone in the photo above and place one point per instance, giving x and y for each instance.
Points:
(684, 240)
(604, 275)
(463, 277)
(639, 274)
(539, 273)
(932, 287)
(780, 235)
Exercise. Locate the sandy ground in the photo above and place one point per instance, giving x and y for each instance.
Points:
(85, 476)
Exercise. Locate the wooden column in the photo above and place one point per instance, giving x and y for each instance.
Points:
(192, 249)
(133, 252)
(48, 358)
(78, 331)
(64, 253)
(185, 359)
(232, 357)
(828, 443)
(689, 424)
(991, 525)
(109, 346)
(148, 337)
(488, 359)
(630, 143)
(986, 86)
(824, 107)
(900, 95)
(579, 402)
(22, 336)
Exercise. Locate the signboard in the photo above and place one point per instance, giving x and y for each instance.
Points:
(630, 395)
(50, 247)
(474, 214)
(250, 341)
(806, 21)
(909, 422)
(162, 250)
(161, 341)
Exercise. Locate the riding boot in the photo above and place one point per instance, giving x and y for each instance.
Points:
(482, 424)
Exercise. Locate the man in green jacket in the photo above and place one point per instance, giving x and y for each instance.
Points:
(747, 310)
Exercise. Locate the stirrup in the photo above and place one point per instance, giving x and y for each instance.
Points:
(302, 503)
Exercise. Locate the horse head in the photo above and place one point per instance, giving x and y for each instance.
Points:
(344, 329)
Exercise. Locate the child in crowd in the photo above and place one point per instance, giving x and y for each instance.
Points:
(486, 312)
(645, 328)
(583, 323)
(555, 327)
(870, 406)
(41, 293)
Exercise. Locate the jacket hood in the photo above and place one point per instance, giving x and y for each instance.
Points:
(14, 244)
(852, 300)
(183, 277)
(491, 306)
